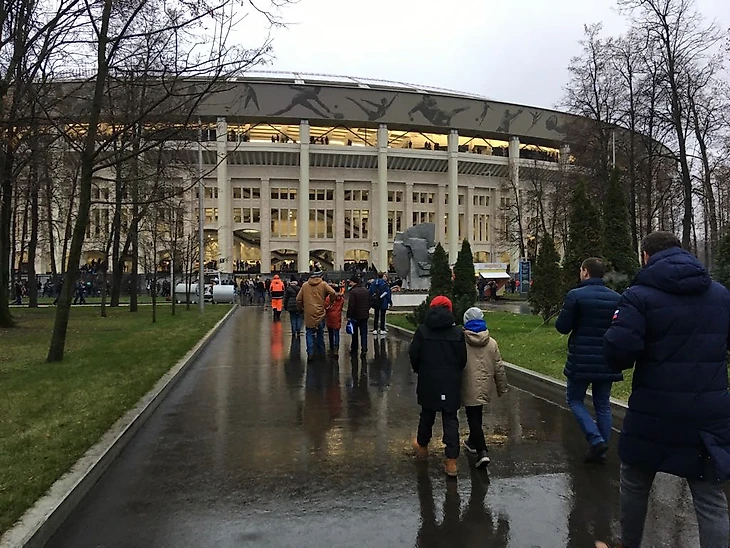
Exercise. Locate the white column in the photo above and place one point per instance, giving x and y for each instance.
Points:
(564, 155)
(453, 196)
(440, 214)
(303, 213)
(265, 216)
(381, 234)
(339, 224)
(469, 220)
(408, 206)
(225, 233)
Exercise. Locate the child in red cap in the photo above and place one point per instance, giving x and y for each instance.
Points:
(438, 356)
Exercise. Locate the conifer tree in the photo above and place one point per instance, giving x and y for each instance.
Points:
(465, 291)
(546, 292)
(722, 261)
(584, 237)
(618, 251)
(441, 282)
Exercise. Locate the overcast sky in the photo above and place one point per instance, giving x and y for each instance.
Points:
(506, 50)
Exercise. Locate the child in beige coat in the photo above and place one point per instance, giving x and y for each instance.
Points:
(483, 363)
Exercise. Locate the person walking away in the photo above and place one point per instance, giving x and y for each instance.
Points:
(381, 299)
(672, 326)
(438, 356)
(260, 292)
(277, 296)
(358, 310)
(310, 300)
(483, 365)
(333, 318)
(79, 294)
(587, 313)
(290, 304)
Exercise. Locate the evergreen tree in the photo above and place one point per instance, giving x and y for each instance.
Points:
(546, 292)
(584, 237)
(465, 291)
(722, 261)
(618, 251)
(441, 283)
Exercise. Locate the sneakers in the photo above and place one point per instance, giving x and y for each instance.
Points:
(376, 332)
(482, 460)
(450, 468)
(597, 453)
(469, 447)
(383, 331)
(420, 451)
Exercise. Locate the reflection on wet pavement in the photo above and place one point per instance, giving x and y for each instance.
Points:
(254, 447)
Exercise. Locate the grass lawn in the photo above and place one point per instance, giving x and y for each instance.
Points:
(50, 414)
(123, 300)
(524, 341)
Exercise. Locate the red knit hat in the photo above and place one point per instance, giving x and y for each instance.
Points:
(442, 301)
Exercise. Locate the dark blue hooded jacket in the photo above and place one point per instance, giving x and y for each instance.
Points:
(586, 315)
(673, 323)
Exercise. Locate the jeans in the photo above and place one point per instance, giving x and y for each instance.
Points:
(379, 317)
(598, 431)
(450, 422)
(334, 336)
(709, 501)
(476, 434)
(361, 328)
(297, 320)
(319, 332)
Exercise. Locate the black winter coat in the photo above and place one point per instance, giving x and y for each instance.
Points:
(586, 315)
(674, 324)
(290, 298)
(358, 305)
(438, 356)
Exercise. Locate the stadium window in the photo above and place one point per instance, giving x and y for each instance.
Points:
(274, 193)
(256, 215)
(330, 195)
(236, 192)
(256, 193)
(246, 214)
(348, 195)
(461, 199)
(236, 214)
(211, 214)
(365, 195)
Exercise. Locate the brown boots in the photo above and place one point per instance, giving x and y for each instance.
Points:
(450, 468)
(420, 451)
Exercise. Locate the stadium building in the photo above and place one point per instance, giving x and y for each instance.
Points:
(304, 168)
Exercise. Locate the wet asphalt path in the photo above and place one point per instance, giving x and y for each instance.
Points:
(254, 447)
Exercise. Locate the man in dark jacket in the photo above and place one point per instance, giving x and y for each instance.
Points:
(673, 325)
(290, 305)
(438, 356)
(586, 315)
(358, 310)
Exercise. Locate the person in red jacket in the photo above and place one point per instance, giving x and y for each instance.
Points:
(277, 295)
(333, 318)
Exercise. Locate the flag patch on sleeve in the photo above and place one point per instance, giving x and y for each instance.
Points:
(615, 316)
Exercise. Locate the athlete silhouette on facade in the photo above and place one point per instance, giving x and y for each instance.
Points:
(381, 109)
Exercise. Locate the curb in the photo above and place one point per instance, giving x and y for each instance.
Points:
(537, 384)
(39, 523)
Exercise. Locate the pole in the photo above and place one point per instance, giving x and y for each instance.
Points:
(201, 221)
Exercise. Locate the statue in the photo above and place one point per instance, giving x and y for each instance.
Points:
(412, 252)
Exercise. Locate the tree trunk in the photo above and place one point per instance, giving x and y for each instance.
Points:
(33, 243)
(50, 227)
(63, 309)
(6, 212)
(117, 260)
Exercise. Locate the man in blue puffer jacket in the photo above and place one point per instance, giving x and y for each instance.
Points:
(673, 325)
(586, 315)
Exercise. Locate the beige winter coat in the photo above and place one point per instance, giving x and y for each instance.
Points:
(483, 363)
(311, 298)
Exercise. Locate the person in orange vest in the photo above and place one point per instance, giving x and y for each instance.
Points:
(277, 296)
(333, 317)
